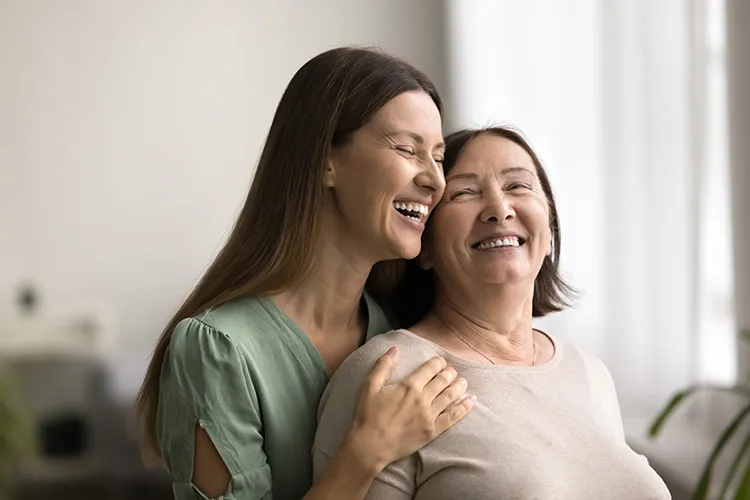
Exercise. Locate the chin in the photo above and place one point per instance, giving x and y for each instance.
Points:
(501, 277)
(405, 249)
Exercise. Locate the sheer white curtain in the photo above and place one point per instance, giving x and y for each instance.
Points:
(738, 65)
(612, 95)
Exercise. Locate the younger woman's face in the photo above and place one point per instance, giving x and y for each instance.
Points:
(388, 177)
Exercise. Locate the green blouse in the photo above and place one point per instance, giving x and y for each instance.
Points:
(248, 375)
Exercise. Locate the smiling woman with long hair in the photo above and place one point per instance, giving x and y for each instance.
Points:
(348, 174)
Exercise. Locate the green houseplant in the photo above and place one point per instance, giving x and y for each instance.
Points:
(16, 437)
(739, 469)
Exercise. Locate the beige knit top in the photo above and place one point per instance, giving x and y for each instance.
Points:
(547, 432)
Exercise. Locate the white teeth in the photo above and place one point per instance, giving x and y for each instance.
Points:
(511, 241)
(411, 207)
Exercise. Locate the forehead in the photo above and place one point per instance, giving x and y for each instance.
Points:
(493, 153)
(412, 111)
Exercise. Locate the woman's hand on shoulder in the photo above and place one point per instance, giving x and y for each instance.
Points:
(393, 421)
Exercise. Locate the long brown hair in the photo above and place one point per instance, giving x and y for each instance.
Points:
(272, 244)
(410, 290)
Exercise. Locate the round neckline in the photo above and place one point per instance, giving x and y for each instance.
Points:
(456, 360)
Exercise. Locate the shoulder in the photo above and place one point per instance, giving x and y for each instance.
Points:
(342, 391)
(200, 356)
(248, 325)
(591, 363)
(601, 391)
(596, 372)
(242, 317)
(337, 406)
(193, 340)
(412, 352)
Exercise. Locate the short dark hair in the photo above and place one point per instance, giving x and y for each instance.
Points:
(409, 291)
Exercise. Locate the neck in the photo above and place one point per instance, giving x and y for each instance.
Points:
(328, 298)
(497, 321)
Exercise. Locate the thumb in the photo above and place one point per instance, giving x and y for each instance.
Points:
(383, 370)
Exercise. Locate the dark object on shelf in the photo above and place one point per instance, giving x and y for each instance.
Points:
(63, 436)
(28, 299)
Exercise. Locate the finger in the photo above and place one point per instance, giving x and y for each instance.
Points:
(454, 414)
(422, 375)
(382, 371)
(451, 395)
(439, 383)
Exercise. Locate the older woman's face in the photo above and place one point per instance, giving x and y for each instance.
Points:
(492, 224)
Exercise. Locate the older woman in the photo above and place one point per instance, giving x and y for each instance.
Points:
(546, 424)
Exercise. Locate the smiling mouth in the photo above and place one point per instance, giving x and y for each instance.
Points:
(506, 242)
(416, 212)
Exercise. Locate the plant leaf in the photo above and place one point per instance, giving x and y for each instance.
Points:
(743, 491)
(735, 467)
(669, 409)
(680, 398)
(701, 491)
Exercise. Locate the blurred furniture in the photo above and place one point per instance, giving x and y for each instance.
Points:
(87, 446)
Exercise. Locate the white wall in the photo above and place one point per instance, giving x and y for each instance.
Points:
(129, 132)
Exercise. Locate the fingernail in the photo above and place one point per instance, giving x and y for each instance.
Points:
(462, 382)
(392, 351)
(471, 400)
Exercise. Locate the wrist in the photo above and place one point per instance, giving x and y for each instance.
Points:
(363, 454)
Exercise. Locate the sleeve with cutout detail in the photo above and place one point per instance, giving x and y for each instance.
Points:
(206, 382)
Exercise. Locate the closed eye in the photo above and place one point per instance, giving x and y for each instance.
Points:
(461, 194)
(518, 185)
(406, 149)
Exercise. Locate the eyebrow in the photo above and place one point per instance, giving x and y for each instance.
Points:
(517, 169)
(468, 176)
(473, 176)
(418, 138)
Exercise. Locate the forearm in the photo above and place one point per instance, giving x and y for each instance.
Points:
(349, 475)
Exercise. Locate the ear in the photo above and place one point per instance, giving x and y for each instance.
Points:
(329, 175)
(549, 243)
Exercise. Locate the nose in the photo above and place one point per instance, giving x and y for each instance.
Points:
(498, 208)
(431, 178)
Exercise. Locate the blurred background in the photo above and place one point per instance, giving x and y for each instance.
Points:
(115, 117)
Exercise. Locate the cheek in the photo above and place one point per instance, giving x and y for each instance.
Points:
(452, 226)
(445, 235)
(538, 223)
(368, 184)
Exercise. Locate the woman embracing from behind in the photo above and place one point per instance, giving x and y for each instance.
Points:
(546, 424)
(349, 172)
